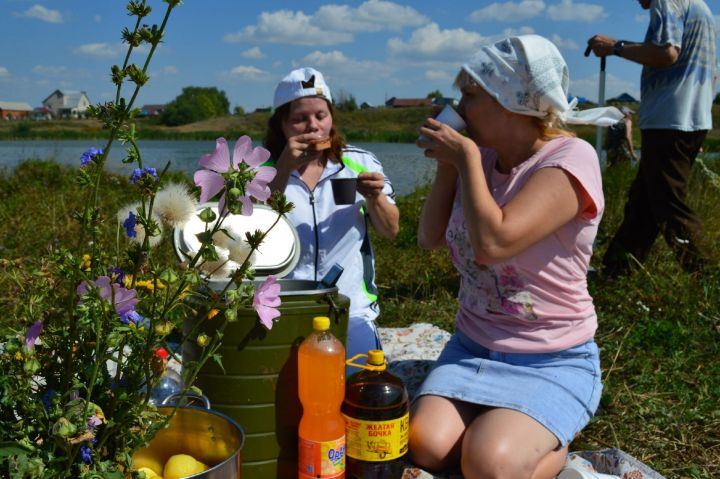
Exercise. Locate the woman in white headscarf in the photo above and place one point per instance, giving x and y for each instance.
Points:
(517, 202)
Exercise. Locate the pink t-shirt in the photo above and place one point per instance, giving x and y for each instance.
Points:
(536, 301)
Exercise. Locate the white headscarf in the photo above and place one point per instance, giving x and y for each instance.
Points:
(528, 75)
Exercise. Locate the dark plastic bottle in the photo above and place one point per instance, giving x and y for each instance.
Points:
(377, 417)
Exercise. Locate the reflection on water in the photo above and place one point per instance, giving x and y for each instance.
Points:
(404, 163)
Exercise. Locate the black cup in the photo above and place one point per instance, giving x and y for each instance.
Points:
(344, 190)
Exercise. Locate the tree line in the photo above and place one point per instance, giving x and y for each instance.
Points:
(202, 103)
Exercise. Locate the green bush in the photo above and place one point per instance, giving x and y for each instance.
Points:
(195, 104)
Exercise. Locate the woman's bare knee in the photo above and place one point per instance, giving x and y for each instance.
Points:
(436, 431)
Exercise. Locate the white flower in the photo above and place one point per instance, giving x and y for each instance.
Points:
(139, 237)
(220, 268)
(239, 250)
(175, 205)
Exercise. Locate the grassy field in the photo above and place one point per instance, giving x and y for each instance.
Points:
(659, 329)
(378, 124)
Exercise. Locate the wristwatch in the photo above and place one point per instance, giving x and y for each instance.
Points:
(618, 47)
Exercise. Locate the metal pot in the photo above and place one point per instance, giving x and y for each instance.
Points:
(209, 436)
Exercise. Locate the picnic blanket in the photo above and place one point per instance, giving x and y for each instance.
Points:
(411, 352)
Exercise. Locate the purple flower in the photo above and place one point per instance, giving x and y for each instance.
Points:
(137, 174)
(87, 157)
(266, 300)
(86, 454)
(129, 225)
(94, 422)
(33, 334)
(131, 316)
(211, 180)
(122, 299)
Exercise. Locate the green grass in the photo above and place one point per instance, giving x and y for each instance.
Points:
(659, 329)
(391, 125)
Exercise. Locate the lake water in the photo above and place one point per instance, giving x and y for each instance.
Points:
(404, 163)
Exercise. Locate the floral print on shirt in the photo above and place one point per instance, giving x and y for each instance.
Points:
(497, 289)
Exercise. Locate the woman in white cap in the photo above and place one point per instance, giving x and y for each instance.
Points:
(517, 202)
(308, 153)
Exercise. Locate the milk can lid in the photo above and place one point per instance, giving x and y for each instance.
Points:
(277, 255)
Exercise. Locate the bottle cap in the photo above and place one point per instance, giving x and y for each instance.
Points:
(376, 357)
(321, 323)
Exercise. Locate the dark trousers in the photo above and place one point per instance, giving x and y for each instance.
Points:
(657, 203)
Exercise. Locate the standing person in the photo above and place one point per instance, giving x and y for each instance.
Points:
(308, 152)
(517, 202)
(677, 84)
(619, 140)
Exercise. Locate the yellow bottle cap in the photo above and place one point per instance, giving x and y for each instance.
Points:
(321, 323)
(376, 357)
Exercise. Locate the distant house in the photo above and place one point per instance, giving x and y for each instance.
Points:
(42, 113)
(67, 104)
(408, 102)
(623, 98)
(152, 110)
(14, 110)
(442, 101)
(366, 106)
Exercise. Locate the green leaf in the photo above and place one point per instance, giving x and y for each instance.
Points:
(12, 448)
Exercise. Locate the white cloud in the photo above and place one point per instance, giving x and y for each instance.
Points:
(98, 50)
(329, 25)
(431, 43)
(285, 26)
(168, 70)
(564, 43)
(641, 18)
(508, 11)
(49, 70)
(41, 13)
(614, 86)
(370, 16)
(97, 19)
(512, 32)
(4, 73)
(439, 76)
(246, 72)
(567, 11)
(337, 63)
(253, 52)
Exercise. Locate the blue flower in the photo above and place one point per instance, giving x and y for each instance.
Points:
(87, 157)
(131, 316)
(47, 398)
(129, 225)
(139, 173)
(116, 271)
(86, 454)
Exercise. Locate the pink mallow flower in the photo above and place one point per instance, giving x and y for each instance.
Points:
(122, 299)
(266, 301)
(218, 168)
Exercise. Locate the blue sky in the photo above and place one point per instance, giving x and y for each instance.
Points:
(371, 49)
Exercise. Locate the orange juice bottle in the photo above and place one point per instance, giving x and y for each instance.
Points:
(321, 387)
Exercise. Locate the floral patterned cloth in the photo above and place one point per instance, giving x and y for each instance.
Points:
(411, 352)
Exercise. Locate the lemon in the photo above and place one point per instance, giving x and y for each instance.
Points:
(142, 459)
(182, 465)
(149, 473)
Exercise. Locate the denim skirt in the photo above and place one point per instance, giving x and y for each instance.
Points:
(561, 390)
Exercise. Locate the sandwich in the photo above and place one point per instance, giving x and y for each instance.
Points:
(320, 144)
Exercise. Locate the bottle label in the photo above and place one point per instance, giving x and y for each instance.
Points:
(321, 460)
(377, 441)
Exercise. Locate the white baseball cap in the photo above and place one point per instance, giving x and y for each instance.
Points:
(299, 84)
